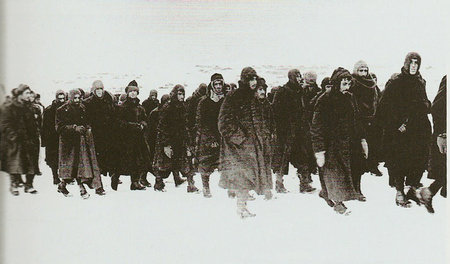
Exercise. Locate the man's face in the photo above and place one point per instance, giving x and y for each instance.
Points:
(363, 71)
(413, 66)
(37, 100)
(299, 79)
(99, 92)
(132, 94)
(25, 96)
(153, 97)
(180, 96)
(61, 98)
(261, 93)
(77, 99)
(252, 83)
(218, 86)
(345, 85)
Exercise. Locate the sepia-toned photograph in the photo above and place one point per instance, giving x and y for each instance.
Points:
(223, 131)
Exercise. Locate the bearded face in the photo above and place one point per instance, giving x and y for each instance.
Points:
(99, 92)
(217, 87)
(345, 85)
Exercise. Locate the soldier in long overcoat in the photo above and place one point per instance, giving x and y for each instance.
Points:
(19, 150)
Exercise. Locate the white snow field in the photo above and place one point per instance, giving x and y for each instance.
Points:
(177, 227)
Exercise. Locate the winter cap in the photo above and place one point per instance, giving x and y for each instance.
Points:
(292, 75)
(261, 82)
(216, 76)
(325, 82)
(310, 77)
(202, 89)
(358, 65)
(339, 74)
(153, 92)
(74, 92)
(19, 90)
(164, 98)
(132, 86)
(247, 74)
(409, 57)
(174, 92)
(97, 85)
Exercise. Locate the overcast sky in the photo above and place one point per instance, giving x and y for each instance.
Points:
(57, 39)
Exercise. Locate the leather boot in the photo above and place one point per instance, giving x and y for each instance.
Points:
(279, 186)
(191, 184)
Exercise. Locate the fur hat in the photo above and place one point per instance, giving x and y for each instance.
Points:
(292, 75)
(339, 74)
(97, 85)
(261, 82)
(359, 65)
(310, 77)
(20, 89)
(409, 57)
(247, 74)
(132, 86)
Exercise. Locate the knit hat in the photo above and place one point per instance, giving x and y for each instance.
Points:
(337, 76)
(72, 94)
(358, 65)
(247, 74)
(292, 75)
(132, 86)
(261, 82)
(310, 77)
(409, 57)
(97, 85)
(19, 90)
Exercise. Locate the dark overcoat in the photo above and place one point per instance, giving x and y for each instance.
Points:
(246, 126)
(208, 136)
(172, 131)
(50, 139)
(77, 157)
(101, 117)
(134, 151)
(336, 129)
(404, 101)
(19, 150)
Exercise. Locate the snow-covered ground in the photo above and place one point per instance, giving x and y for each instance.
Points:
(177, 227)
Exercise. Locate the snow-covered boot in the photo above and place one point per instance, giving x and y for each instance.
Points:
(426, 198)
(136, 186)
(305, 183)
(14, 186)
(324, 196)
(29, 185)
(340, 208)
(84, 194)
(279, 186)
(400, 200)
(191, 185)
(100, 191)
(62, 189)
(242, 210)
(412, 195)
(205, 183)
(143, 180)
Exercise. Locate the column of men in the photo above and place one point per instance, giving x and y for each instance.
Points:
(339, 131)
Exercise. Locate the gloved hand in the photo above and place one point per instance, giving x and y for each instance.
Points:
(365, 148)
(320, 158)
(168, 151)
(442, 144)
